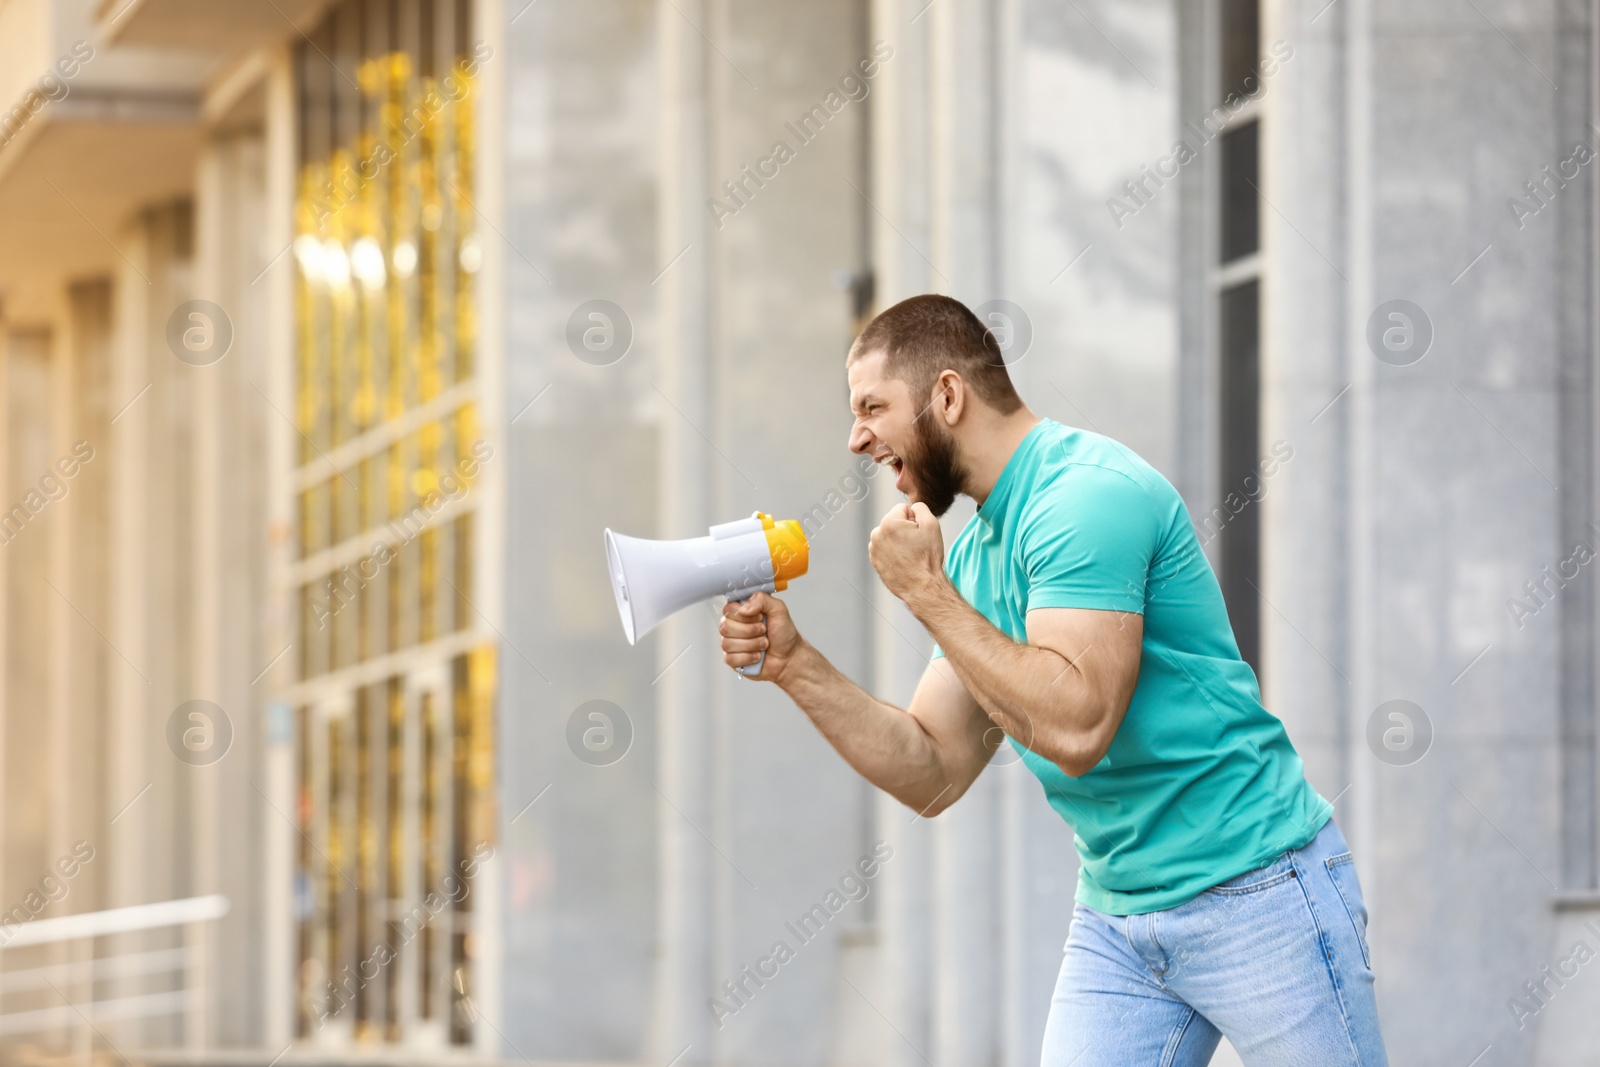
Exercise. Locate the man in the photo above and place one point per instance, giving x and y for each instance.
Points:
(1076, 612)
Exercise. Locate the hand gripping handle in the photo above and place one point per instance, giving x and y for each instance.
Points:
(750, 670)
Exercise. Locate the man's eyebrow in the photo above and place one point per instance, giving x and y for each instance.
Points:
(864, 401)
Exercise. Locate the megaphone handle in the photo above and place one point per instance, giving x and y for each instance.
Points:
(750, 670)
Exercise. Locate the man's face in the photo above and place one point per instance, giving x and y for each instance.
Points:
(897, 429)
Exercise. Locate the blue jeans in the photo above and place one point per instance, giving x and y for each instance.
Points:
(1276, 959)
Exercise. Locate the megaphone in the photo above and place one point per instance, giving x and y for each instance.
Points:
(655, 579)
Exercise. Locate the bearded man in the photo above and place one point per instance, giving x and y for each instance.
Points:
(1076, 612)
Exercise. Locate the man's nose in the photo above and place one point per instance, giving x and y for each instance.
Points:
(860, 439)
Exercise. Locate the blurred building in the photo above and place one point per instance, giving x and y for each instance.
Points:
(332, 335)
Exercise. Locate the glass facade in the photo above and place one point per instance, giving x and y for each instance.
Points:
(396, 668)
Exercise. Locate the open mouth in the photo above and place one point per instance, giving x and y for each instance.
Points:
(898, 466)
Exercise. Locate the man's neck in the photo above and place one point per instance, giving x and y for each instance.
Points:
(987, 450)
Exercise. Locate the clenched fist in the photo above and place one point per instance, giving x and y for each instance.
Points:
(907, 549)
(745, 635)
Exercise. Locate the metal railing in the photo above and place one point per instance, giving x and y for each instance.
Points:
(188, 914)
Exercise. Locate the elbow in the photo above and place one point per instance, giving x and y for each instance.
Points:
(1079, 753)
(931, 806)
(1075, 766)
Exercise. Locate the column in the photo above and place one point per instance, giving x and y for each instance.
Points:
(684, 972)
(900, 223)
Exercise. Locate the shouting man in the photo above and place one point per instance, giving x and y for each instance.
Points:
(1076, 613)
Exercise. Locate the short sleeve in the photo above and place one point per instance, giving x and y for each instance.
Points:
(1086, 541)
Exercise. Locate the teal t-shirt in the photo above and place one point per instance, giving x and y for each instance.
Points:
(1200, 783)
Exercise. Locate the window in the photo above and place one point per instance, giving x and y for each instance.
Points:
(1239, 544)
(1236, 296)
(395, 697)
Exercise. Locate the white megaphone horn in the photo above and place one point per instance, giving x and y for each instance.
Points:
(655, 579)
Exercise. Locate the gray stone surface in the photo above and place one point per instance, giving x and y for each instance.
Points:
(1417, 501)
(581, 863)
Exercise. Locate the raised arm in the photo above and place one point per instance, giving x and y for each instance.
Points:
(1062, 694)
(925, 755)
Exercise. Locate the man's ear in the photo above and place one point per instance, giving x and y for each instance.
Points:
(949, 396)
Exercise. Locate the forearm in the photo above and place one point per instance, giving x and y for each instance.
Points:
(1038, 696)
(886, 745)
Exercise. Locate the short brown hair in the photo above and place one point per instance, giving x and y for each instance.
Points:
(926, 335)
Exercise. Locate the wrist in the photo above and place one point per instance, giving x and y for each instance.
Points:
(929, 595)
(797, 666)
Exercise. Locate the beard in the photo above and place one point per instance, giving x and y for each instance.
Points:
(931, 464)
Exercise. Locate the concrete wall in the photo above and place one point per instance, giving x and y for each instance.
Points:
(787, 813)
(1095, 101)
(1419, 503)
(580, 204)
(715, 411)
(732, 398)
